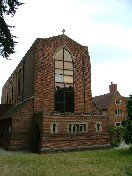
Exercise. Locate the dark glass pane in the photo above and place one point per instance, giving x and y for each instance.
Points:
(59, 64)
(58, 71)
(68, 79)
(84, 127)
(68, 72)
(77, 125)
(70, 127)
(68, 65)
(80, 127)
(98, 127)
(69, 107)
(59, 55)
(69, 97)
(59, 107)
(59, 96)
(67, 56)
(73, 128)
(54, 128)
(118, 124)
(59, 78)
(118, 101)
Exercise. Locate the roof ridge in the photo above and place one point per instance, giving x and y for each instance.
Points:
(102, 95)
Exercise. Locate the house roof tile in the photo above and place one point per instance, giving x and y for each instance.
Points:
(103, 101)
(13, 110)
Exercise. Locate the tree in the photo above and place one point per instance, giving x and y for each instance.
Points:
(127, 131)
(129, 108)
(7, 43)
(127, 124)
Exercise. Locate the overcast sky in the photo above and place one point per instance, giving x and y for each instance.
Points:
(105, 26)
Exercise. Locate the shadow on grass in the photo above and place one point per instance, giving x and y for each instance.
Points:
(128, 171)
(124, 152)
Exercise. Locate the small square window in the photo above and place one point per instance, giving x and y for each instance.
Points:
(118, 123)
(117, 102)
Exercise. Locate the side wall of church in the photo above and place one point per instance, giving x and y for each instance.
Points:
(62, 139)
(10, 91)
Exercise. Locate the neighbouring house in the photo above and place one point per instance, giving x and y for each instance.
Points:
(112, 104)
(52, 109)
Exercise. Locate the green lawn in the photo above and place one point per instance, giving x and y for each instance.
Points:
(85, 163)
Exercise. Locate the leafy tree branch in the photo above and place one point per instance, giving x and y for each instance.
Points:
(7, 42)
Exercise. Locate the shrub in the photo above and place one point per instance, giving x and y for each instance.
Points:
(115, 133)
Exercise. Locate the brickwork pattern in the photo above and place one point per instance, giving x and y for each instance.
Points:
(112, 107)
(64, 139)
(40, 67)
(44, 74)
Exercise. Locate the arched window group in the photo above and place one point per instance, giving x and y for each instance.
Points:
(64, 89)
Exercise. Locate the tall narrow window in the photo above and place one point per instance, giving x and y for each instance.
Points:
(54, 128)
(98, 127)
(11, 92)
(19, 82)
(64, 91)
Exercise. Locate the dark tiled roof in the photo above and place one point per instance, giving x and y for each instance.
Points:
(103, 101)
(95, 108)
(12, 111)
(4, 108)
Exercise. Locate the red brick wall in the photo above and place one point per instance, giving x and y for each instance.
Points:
(42, 87)
(43, 51)
(62, 139)
(44, 74)
(113, 107)
(21, 133)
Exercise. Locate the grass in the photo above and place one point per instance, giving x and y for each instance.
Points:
(84, 163)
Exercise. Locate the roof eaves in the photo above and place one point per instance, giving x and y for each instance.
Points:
(15, 109)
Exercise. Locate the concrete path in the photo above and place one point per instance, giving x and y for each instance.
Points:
(4, 152)
(123, 145)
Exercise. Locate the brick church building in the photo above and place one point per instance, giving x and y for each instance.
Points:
(47, 101)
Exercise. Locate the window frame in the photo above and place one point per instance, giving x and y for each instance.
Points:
(19, 83)
(52, 127)
(66, 80)
(118, 112)
(76, 127)
(100, 128)
(118, 101)
(120, 124)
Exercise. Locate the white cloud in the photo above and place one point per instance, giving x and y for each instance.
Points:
(118, 72)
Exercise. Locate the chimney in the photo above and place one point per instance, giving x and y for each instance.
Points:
(113, 88)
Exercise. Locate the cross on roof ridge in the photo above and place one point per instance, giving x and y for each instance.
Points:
(63, 31)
